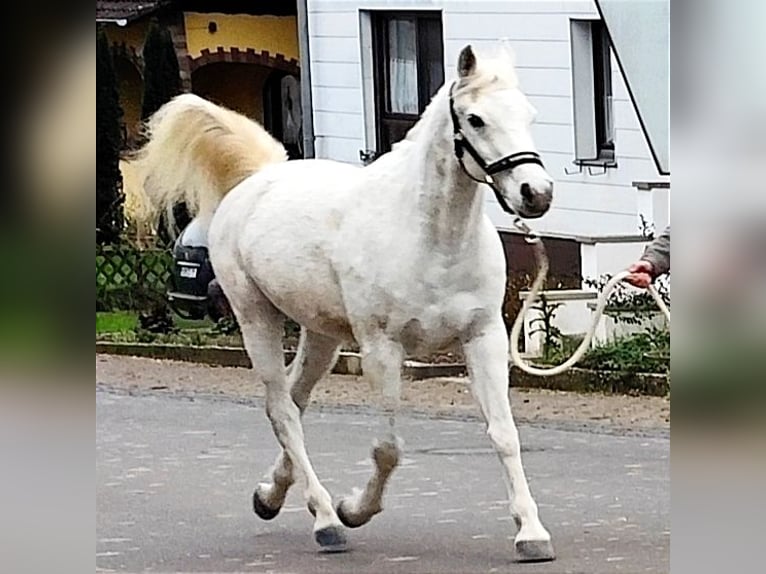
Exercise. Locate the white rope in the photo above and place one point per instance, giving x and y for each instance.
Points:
(542, 262)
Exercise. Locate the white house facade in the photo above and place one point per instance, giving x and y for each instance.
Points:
(374, 62)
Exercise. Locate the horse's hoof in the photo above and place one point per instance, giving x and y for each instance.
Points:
(260, 508)
(331, 539)
(346, 519)
(534, 551)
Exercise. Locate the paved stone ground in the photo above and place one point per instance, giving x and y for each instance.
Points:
(176, 471)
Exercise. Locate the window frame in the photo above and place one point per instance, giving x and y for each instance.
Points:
(603, 94)
(386, 120)
(592, 95)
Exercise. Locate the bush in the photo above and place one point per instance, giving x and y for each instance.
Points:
(640, 304)
(646, 352)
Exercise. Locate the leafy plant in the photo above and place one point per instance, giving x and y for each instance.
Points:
(641, 352)
(226, 325)
(645, 352)
(551, 333)
(646, 228)
(635, 305)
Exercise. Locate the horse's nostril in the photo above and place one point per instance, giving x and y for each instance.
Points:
(526, 191)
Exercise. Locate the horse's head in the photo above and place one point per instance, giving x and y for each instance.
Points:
(492, 121)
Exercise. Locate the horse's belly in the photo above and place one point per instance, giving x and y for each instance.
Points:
(317, 310)
(440, 327)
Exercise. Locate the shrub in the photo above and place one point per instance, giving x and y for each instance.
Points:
(544, 324)
(645, 352)
(640, 304)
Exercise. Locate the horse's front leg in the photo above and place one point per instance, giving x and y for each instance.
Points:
(486, 355)
(382, 365)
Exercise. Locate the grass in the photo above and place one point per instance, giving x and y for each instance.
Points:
(127, 321)
(186, 324)
(116, 322)
(123, 326)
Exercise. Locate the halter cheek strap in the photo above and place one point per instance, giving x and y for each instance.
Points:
(509, 162)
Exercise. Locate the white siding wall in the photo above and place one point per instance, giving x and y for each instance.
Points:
(584, 204)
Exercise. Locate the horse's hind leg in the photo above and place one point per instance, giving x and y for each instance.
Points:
(381, 364)
(262, 329)
(486, 356)
(314, 358)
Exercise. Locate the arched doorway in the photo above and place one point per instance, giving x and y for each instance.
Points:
(238, 86)
(262, 86)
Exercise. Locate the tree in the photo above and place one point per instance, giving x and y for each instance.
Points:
(109, 197)
(162, 82)
(162, 77)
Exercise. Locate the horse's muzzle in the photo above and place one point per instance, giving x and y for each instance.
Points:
(536, 200)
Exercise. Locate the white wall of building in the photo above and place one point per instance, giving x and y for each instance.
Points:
(584, 204)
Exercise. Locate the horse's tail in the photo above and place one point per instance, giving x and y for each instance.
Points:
(196, 152)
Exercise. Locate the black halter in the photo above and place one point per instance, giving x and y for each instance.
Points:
(509, 162)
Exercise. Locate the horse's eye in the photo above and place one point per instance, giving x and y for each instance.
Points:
(475, 121)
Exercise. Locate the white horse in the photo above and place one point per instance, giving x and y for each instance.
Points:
(398, 256)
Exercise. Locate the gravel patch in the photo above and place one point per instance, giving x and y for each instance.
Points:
(449, 397)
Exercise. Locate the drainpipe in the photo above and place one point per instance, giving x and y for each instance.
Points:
(307, 106)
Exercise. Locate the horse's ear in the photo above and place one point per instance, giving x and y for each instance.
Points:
(466, 62)
(508, 53)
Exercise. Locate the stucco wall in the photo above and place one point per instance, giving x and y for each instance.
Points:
(276, 34)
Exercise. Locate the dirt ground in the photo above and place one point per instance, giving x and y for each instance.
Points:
(442, 397)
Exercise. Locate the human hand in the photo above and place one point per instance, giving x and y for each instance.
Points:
(641, 274)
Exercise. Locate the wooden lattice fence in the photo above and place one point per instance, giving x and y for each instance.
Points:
(131, 279)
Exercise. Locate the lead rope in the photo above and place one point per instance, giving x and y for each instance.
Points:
(543, 265)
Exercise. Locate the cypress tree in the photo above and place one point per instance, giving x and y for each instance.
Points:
(162, 82)
(162, 77)
(109, 197)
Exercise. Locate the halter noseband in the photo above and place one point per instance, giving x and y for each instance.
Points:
(509, 162)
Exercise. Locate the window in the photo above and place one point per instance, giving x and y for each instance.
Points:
(408, 60)
(592, 93)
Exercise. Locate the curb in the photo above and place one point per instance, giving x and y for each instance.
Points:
(579, 380)
(588, 381)
(347, 364)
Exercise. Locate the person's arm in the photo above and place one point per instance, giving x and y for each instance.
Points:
(654, 262)
(658, 253)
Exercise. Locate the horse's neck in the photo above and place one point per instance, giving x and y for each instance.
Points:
(449, 204)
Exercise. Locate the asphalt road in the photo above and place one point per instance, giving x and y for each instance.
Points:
(175, 479)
